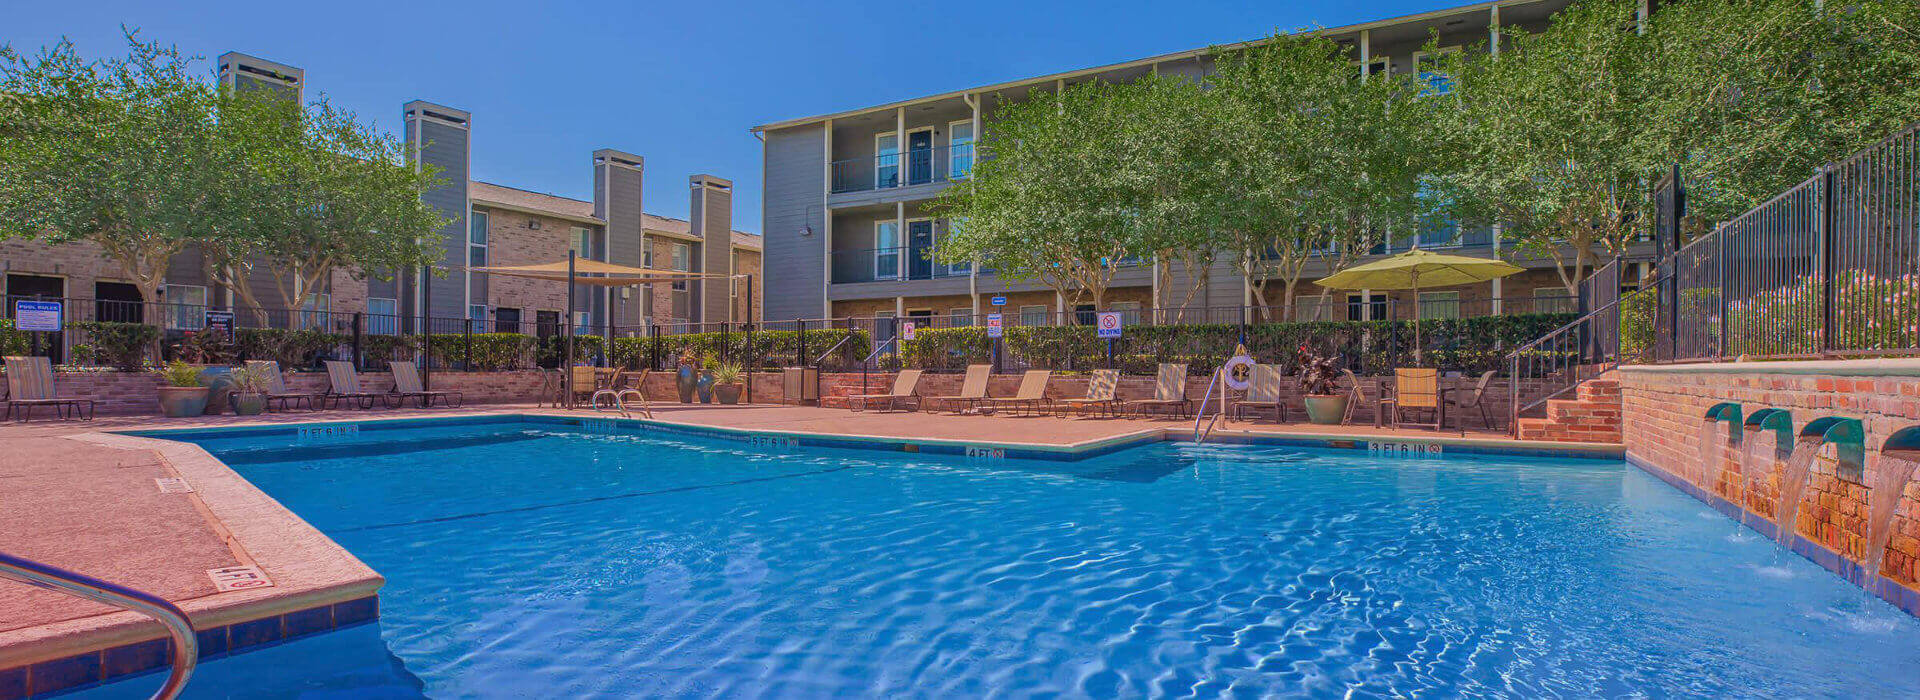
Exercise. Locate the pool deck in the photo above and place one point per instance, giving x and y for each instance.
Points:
(107, 505)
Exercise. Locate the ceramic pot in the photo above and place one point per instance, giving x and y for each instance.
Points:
(1326, 410)
(685, 381)
(249, 404)
(705, 386)
(183, 401)
(218, 380)
(728, 394)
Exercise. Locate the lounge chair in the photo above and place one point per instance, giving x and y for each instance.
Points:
(30, 384)
(1477, 399)
(973, 390)
(407, 385)
(343, 383)
(1414, 389)
(1264, 395)
(1169, 391)
(1100, 392)
(904, 386)
(1356, 395)
(1031, 395)
(277, 386)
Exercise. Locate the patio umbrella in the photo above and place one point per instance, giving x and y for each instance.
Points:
(1415, 269)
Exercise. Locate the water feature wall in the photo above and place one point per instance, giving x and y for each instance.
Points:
(1819, 455)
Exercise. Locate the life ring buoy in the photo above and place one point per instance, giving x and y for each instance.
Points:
(1237, 373)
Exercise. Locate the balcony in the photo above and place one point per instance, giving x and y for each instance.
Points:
(892, 264)
(894, 170)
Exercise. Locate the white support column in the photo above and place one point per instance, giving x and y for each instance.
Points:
(899, 240)
(1366, 52)
(1493, 29)
(899, 307)
(1366, 304)
(826, 224)
(973, 271)
(1497, 295)
(900, 154)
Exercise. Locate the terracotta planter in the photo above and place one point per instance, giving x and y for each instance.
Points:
(183, 401)
(728, 394)
(1326, 409)
(248, 404)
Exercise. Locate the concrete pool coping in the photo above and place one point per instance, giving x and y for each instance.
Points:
(319, 585)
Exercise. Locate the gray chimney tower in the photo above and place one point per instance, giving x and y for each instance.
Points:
(712, 218)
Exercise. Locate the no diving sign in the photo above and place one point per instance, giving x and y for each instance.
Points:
(1108, 324)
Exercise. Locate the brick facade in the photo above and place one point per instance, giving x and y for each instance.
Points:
(1665, 431)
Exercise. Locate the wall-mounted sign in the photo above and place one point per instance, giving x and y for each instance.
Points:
(1108, 324)
(999, 301)
(221, 321)
(41, 316)
(994, 326)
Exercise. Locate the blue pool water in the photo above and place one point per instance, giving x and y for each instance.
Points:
(529, 559)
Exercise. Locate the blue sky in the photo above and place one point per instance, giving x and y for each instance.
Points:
(677, 82)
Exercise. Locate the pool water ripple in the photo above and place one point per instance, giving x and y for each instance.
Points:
(563, 564)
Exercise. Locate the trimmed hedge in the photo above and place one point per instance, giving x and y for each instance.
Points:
(13, 342)
(484, 352)
(1471, 345)
(122, 346)
(293, 349)
(756, 349)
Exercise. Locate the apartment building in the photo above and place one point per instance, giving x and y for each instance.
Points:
(489, 224)
(846, 195)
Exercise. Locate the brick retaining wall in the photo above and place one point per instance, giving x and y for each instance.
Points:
(134, 393)
(1664, 412)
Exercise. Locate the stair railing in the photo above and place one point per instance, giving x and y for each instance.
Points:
(1560, 361)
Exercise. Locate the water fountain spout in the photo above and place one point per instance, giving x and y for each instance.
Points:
(1780, 422)
(1898, 458)
(1793, 477)
(1713, 458)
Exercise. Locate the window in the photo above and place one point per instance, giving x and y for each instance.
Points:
(964, 267)
(383, 316)
(1435, 305)
(1553, 300)
(1360, 308)
(961, 316)
(886, 250)
(477, 318)
(582, 323)
(960, 153)
(682, 261)
(1378, 65)
(886, 160)
(477, 239)
(1129, 312)
(1427, 66)
(1083, 314)
(186, 306)
(582, 242)
(313, 311)
(1033, 315)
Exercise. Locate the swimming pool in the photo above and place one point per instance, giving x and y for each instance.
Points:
(537, 559)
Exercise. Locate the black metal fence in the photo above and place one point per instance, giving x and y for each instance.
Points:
(1829, 268)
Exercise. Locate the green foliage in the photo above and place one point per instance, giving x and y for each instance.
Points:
(13, 342)
(758, 349)
(179, 373)
(550, 350)
(729, 373)
(1869, 313)
(485, 352)
(294, 349)
(122, 346)
(249, 380)
(377, 350)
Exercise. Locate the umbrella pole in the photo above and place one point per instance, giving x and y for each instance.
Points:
(566, 365)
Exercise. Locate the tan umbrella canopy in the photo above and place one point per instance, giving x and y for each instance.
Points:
(604, 274)
(1415, 269)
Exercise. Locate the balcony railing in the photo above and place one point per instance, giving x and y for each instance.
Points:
(897, 263)
(915, 167)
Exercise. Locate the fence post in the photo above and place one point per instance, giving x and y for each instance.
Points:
(1825, 251)
(1720, 256)
(466, 340)
(800, 355)
(358, 362)
(653, 346)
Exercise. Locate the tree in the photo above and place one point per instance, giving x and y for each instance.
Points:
(1054, 197)
(119, 153)
(323, 192)
(1318, 160)
(1546, 137)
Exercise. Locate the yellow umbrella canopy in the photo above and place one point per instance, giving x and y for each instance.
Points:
(1414, 270)
(595, 273)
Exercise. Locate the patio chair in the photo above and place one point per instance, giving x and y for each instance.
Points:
(1032, 394)
(407, 385)
(1100, 392)
(1414, 389)
(973, 390)
(277, 386)
(1476, 399)
(343, 384)
(620, 393)
(1264, 395)
(30, 384)
(1356, 395)
(1169, 391)
(583, 381)
(904, 386)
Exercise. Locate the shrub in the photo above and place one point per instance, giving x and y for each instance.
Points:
(13, 342)
(750, 350)
(181, 374)
(378, 350)
(484, 352)
(549, 350)
(292, 349)
(122, 346)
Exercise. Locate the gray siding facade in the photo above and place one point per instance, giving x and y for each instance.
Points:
(793, 224)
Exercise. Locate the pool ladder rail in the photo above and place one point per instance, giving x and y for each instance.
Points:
(185, 647)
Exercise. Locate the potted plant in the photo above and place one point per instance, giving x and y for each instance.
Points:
(249, 395)
(1320, 380)
(705, 384)
(183, 394)
(210, 350)
(686, 379)
(728, 380)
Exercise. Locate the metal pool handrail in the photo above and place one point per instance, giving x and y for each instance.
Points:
(186, 649)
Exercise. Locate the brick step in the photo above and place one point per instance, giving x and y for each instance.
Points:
(1582, 411)
(1599, 390)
